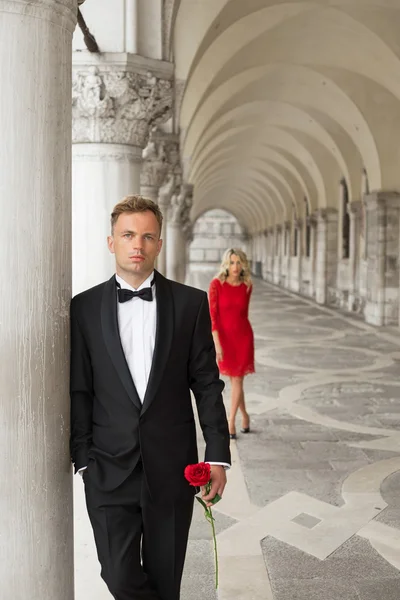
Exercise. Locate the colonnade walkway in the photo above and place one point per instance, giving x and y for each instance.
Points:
(312, 506)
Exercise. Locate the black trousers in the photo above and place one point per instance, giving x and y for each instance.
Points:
(141, 546)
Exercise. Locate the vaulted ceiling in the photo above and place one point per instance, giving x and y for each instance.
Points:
(283, 99)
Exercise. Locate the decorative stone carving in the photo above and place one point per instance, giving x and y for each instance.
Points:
(312, 220)
(160, 158)
(119, 107)
(298, 223)
(155, 166)
(187, 225)
(181, 205)
(166, 191)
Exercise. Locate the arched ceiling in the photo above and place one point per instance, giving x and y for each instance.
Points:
(283, 99)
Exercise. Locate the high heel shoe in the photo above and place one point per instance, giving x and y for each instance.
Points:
(246, 429)
(232, 436)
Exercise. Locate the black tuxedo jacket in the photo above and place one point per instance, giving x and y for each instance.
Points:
(110, 427)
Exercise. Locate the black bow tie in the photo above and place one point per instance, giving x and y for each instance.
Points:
(125, 295)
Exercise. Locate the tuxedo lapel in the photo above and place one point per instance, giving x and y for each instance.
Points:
(164, 336)
(109, 324)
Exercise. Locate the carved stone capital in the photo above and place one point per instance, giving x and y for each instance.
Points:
(287, 225)
(327, 214)
(181, 205)
(298, 223)
(312, 220)
(154, 166)
(354, 208)
(113, 104)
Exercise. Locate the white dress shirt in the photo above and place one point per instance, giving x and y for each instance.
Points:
(137, 322)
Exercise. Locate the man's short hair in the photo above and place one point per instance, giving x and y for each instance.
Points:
(135, 204)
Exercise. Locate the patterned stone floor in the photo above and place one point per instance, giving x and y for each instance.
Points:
(312, 508)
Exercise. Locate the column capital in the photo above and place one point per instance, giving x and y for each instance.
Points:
(154, 166)
(354, 208)
(326, 214)
(166, 191)
(62, 13)
(298, 223)
(116, 100)
(181, 205)
(312, 220)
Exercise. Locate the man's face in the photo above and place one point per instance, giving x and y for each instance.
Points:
(136, 243)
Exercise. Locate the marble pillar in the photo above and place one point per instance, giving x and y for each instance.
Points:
(383, 232)
(161, 174)
(297, 261)
(164, 201)
(313, 255)
(354, 209)
(277, 254)
(117, 99)
(102, 175)
(271, 253)
(36, 542)
(176, 249)
(154, 166)
(287, 252)
(178, 218)
(265, 254)
(327, 254)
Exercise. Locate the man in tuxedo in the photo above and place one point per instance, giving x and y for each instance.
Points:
(139, 344)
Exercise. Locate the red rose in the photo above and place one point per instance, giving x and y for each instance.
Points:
(198, 475)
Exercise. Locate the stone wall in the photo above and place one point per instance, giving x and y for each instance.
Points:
(365, 282)
(213, 233)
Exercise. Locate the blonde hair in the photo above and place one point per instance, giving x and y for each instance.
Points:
(245, 276)
(135, 204)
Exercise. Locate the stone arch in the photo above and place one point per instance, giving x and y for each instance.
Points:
(255, 74)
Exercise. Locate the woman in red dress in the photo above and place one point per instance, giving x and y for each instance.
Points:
(229, 298)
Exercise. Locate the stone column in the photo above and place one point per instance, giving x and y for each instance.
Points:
(117, 99)
(264, 242)
(382, 306)
(326, 247)
(36, 532)
(313, 254)
(176, 233)
(172, 178)
(354, 210)
(277, 254)
(271, 253)
(298, 276)
(154, 167)
(285, 255)
(164, 201)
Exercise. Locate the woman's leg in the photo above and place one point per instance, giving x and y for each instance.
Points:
(237, 398)
(242, 408)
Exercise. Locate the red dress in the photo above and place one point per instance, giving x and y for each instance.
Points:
(229, 309)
